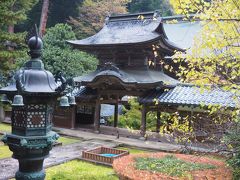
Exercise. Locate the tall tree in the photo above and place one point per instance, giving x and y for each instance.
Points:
(11, 13)
(214, 57)
(44, 17)
(59, 11)
(92, 14)
(59, 56)
(136, 6)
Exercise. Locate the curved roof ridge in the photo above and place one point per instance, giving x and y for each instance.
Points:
(129, 29)
(133, 16)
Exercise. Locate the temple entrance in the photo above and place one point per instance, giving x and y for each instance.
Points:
(84, 115)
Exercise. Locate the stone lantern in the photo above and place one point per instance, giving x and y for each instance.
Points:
(34, 95)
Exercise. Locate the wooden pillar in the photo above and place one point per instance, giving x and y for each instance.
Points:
(115, 115)
(158, 121)
(97, 115)
(2, 114)
(73, 116)
(143, 121)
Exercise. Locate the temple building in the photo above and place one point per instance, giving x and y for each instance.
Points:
(131, 53)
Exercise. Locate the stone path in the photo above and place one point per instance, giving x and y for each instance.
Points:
(58, 155)
(152, 145)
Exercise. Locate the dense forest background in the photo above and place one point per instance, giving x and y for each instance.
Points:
(70, 11)
(59, 20)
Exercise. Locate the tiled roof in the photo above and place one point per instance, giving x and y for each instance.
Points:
(130, 77)
(84, 93)
(182, 33)
(128, 29)
(192, 95)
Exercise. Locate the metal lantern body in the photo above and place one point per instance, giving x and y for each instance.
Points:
(64, 102)
(17, 100)
(5, 99)
(34, 95)
(72, 100)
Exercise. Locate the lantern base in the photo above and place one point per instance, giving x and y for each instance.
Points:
(30, 176)
(30, 169)
(30, 153)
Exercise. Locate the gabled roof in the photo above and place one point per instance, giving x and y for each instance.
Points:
(192, 96)
(182, 33)
(181, 30)
(129, 29)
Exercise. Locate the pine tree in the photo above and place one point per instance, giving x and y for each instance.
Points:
(11, 44)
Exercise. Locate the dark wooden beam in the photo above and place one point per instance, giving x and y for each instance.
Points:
(121, 92)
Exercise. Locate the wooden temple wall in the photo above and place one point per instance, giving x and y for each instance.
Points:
(64, 117)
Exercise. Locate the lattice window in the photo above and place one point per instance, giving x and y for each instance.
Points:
(36, 119)
(36, 115)
(19, 118)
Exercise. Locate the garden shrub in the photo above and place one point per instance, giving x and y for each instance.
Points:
(232, 139)
(131, 117)
(59, 56)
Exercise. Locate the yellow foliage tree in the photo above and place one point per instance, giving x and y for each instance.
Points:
(214, 57)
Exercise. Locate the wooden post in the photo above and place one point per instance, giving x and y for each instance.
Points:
(73, 116)
(158, 121)
(115, 115)
(143, 121)
(97, 116)
(2, 114)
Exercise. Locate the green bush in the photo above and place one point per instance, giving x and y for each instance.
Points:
(131, 117)
(233, 140)
(59, 56)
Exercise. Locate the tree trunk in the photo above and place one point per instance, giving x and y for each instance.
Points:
(11, 31)
(44, 17)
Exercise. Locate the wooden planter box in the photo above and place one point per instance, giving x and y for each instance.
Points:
(96, 155)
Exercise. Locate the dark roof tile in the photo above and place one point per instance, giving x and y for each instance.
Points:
(192, 95)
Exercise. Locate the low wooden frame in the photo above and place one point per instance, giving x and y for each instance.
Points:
(94, 155)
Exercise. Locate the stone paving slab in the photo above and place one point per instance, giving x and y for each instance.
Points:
(58, 155)
(153, 145)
